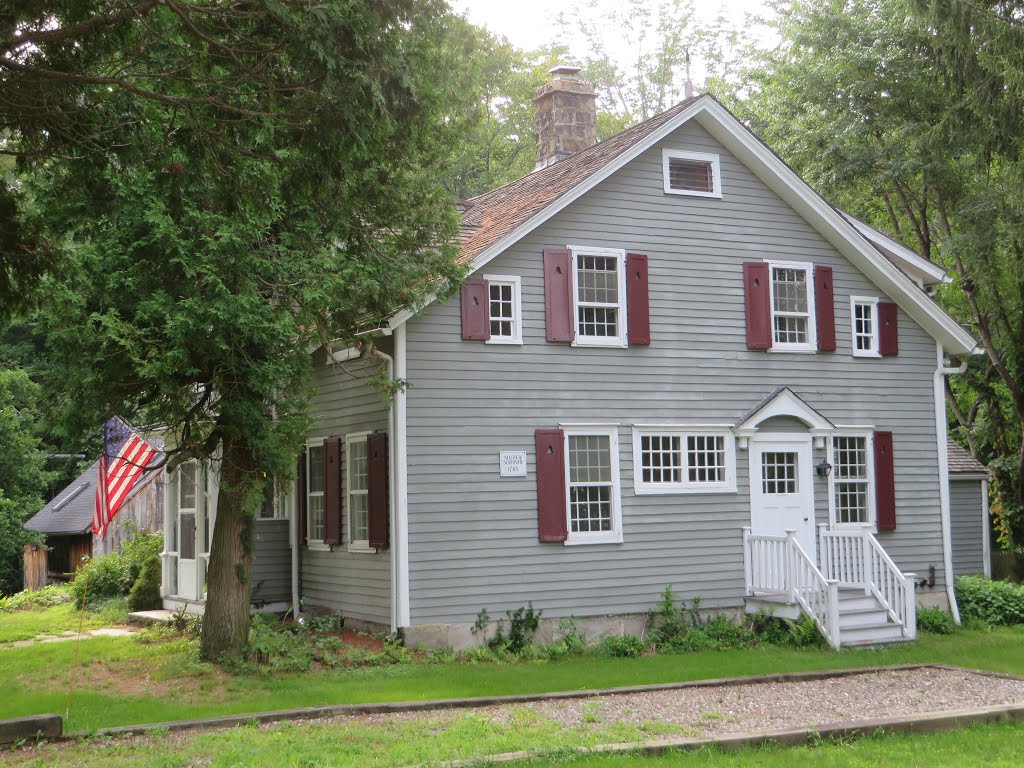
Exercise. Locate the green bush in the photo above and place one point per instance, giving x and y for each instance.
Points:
(621, 647)
(522, 624)
(677, 629)
(113, 575)
(53, 594)
(935, 621)
(145, 592)
(993, 602)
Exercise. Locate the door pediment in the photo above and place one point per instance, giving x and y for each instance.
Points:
(783, 402)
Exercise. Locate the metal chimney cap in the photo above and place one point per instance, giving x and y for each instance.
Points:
(565, 69)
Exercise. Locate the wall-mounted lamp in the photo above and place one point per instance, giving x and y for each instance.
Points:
(824, 469)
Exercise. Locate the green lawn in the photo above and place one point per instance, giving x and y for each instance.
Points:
(24, 625)
(122, 681)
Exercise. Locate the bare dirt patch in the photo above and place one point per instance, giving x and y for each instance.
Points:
(138, 680)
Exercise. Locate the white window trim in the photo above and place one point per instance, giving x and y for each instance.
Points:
(357, 545)
(869, 447)
(811, 345)
(622, 340)
(286, 501)
(311, 543)
(701, 157)
(873, 301)
(517, 308)
(642, 488)
(614, 536)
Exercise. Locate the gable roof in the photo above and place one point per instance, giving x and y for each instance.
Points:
(70, 511)
(960, 462)
(494, 221)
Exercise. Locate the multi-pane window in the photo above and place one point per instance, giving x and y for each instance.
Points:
(600, 313)
(504, 305)
(315, 493)
(865, 326)
(188, 504)
(779, 472)
(850, 479)
(276, 504)
(358, 508)
(691, 173)
(669, 461)
(792, 308)
(593, 486)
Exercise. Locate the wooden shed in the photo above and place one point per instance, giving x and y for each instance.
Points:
(970, 527)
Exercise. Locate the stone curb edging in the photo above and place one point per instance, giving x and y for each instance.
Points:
(928, 722)
(341, 710)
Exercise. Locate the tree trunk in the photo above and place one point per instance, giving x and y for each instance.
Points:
(229, 586)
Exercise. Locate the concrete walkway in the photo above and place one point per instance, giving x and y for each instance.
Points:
(69, 635)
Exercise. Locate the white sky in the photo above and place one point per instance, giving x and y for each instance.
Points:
(529, 23)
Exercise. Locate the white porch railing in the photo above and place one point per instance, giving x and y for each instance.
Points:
(854, 558)
(779, 565)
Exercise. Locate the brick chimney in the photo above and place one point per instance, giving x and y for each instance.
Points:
(566, 116)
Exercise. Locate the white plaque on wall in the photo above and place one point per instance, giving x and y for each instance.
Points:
(513, 463)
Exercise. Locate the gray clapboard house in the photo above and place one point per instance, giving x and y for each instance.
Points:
(672, 363)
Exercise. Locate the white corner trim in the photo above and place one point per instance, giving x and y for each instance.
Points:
(400, 510)
(667, 155)
(943, 454)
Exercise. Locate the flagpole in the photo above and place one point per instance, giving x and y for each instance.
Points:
(78, 642)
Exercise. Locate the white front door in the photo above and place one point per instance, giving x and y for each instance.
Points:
(782, 488)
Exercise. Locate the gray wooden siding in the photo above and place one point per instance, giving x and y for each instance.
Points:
(271, 562)
(473, 535)
(966, 526)
(357, 585)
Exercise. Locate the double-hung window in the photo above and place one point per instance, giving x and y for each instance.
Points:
(505, 309)
(851, 480)
(683, 460)
(864, 319)
(276, 503)
(599, 296)
(315, 521)
(594, 514)
(356, 473)
(792, 297)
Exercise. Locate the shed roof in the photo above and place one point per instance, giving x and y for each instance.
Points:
(70, 512)
(961, 462)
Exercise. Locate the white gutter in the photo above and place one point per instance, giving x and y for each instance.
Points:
(943, 451)
(391, 487)
(400, 532)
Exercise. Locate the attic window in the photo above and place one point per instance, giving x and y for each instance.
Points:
(691, 173)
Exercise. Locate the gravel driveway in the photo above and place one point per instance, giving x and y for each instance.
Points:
(719, 710)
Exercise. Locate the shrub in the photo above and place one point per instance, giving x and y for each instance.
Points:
(522, 624)
(994, 602)
(54, 594)
(145, 592)
(804, 633)
(621, 646)
(935, 621)
(113, 575)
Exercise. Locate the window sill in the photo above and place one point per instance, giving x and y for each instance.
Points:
(506, 342)
(855, 527)
(361, 548)
(600, 342)
(318, 546)
(867, 354)
(682, 490)
(693, 193)
(797, 350)
(612, 538)
(271, 519)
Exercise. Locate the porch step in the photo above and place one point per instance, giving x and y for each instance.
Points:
(863, 618)
(872, 634)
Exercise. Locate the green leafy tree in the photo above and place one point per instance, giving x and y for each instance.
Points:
(903, 112)
(229, 184)
(23, 476)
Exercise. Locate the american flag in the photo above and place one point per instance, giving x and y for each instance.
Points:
(122, 465)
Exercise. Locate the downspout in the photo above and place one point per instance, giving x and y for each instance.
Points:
(293, 532)
(943, 452)
(391, 487)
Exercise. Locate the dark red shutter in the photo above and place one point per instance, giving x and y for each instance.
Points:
(561, 325)
(825, 308)
(300, 496)
(885, 483)
(377, 488)
(637, 299)
(551, 501)
(332, 490)
(888, 331)
(757, 288)
(476, 310)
